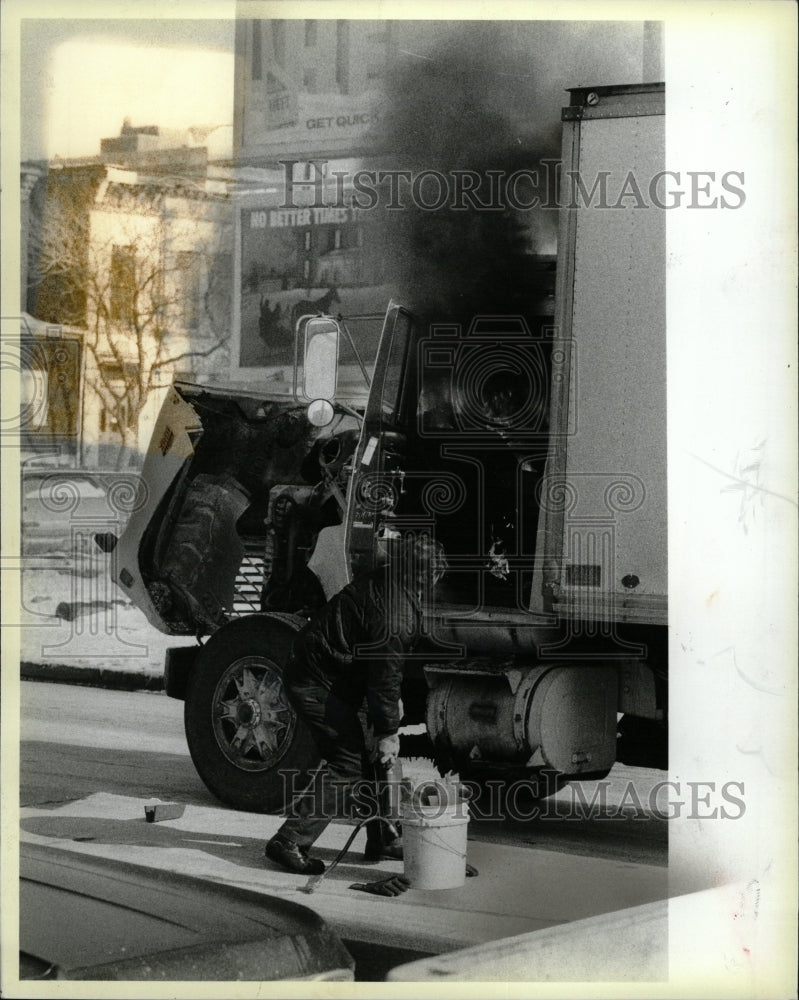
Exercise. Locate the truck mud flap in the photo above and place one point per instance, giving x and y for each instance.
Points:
(178, 662)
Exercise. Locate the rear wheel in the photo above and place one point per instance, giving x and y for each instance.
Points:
(244, 737)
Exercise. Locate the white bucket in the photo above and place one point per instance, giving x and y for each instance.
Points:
(434, 845)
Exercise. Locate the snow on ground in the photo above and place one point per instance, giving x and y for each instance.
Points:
(96, 626)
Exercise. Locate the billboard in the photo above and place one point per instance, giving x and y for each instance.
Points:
(309, 259)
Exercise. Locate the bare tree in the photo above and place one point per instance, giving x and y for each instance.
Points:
(146, 271)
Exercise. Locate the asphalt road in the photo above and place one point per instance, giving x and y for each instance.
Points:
(76, 741)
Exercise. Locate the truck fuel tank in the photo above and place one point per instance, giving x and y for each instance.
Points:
(560, 716)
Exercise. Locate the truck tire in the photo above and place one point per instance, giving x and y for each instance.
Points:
(246, 742)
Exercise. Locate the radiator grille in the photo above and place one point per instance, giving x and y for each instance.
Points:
(249, 579)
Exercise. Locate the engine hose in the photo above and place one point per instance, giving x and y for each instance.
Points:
(314, 880)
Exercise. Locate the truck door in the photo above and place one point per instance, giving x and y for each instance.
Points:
(378, 471)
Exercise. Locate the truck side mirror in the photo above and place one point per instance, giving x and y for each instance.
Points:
(320, 358)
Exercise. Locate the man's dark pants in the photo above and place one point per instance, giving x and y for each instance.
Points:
(337, 730)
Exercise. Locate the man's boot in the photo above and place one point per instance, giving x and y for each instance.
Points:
(309, 816)
(383, 837)
(293, 858)
(381, 845)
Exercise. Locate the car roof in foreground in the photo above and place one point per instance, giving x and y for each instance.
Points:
(96, 918)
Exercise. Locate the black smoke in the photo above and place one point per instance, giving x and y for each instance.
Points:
(444, 112)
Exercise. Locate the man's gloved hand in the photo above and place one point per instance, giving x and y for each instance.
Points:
(388, 748)
(395, 885)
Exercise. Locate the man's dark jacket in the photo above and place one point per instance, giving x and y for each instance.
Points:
(356, 645)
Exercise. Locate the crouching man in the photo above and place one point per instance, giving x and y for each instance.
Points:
(352, 650)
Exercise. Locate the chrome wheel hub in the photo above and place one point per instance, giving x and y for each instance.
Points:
(253, 720)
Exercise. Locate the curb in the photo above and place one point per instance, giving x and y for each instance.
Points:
(115, 680)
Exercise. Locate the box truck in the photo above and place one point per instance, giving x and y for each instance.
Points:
(537, 456)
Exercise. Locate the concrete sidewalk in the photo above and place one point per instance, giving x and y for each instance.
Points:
(518, 889)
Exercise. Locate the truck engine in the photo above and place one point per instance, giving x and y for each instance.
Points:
(260, 484)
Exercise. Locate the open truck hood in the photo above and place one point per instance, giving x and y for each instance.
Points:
(214, 456)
